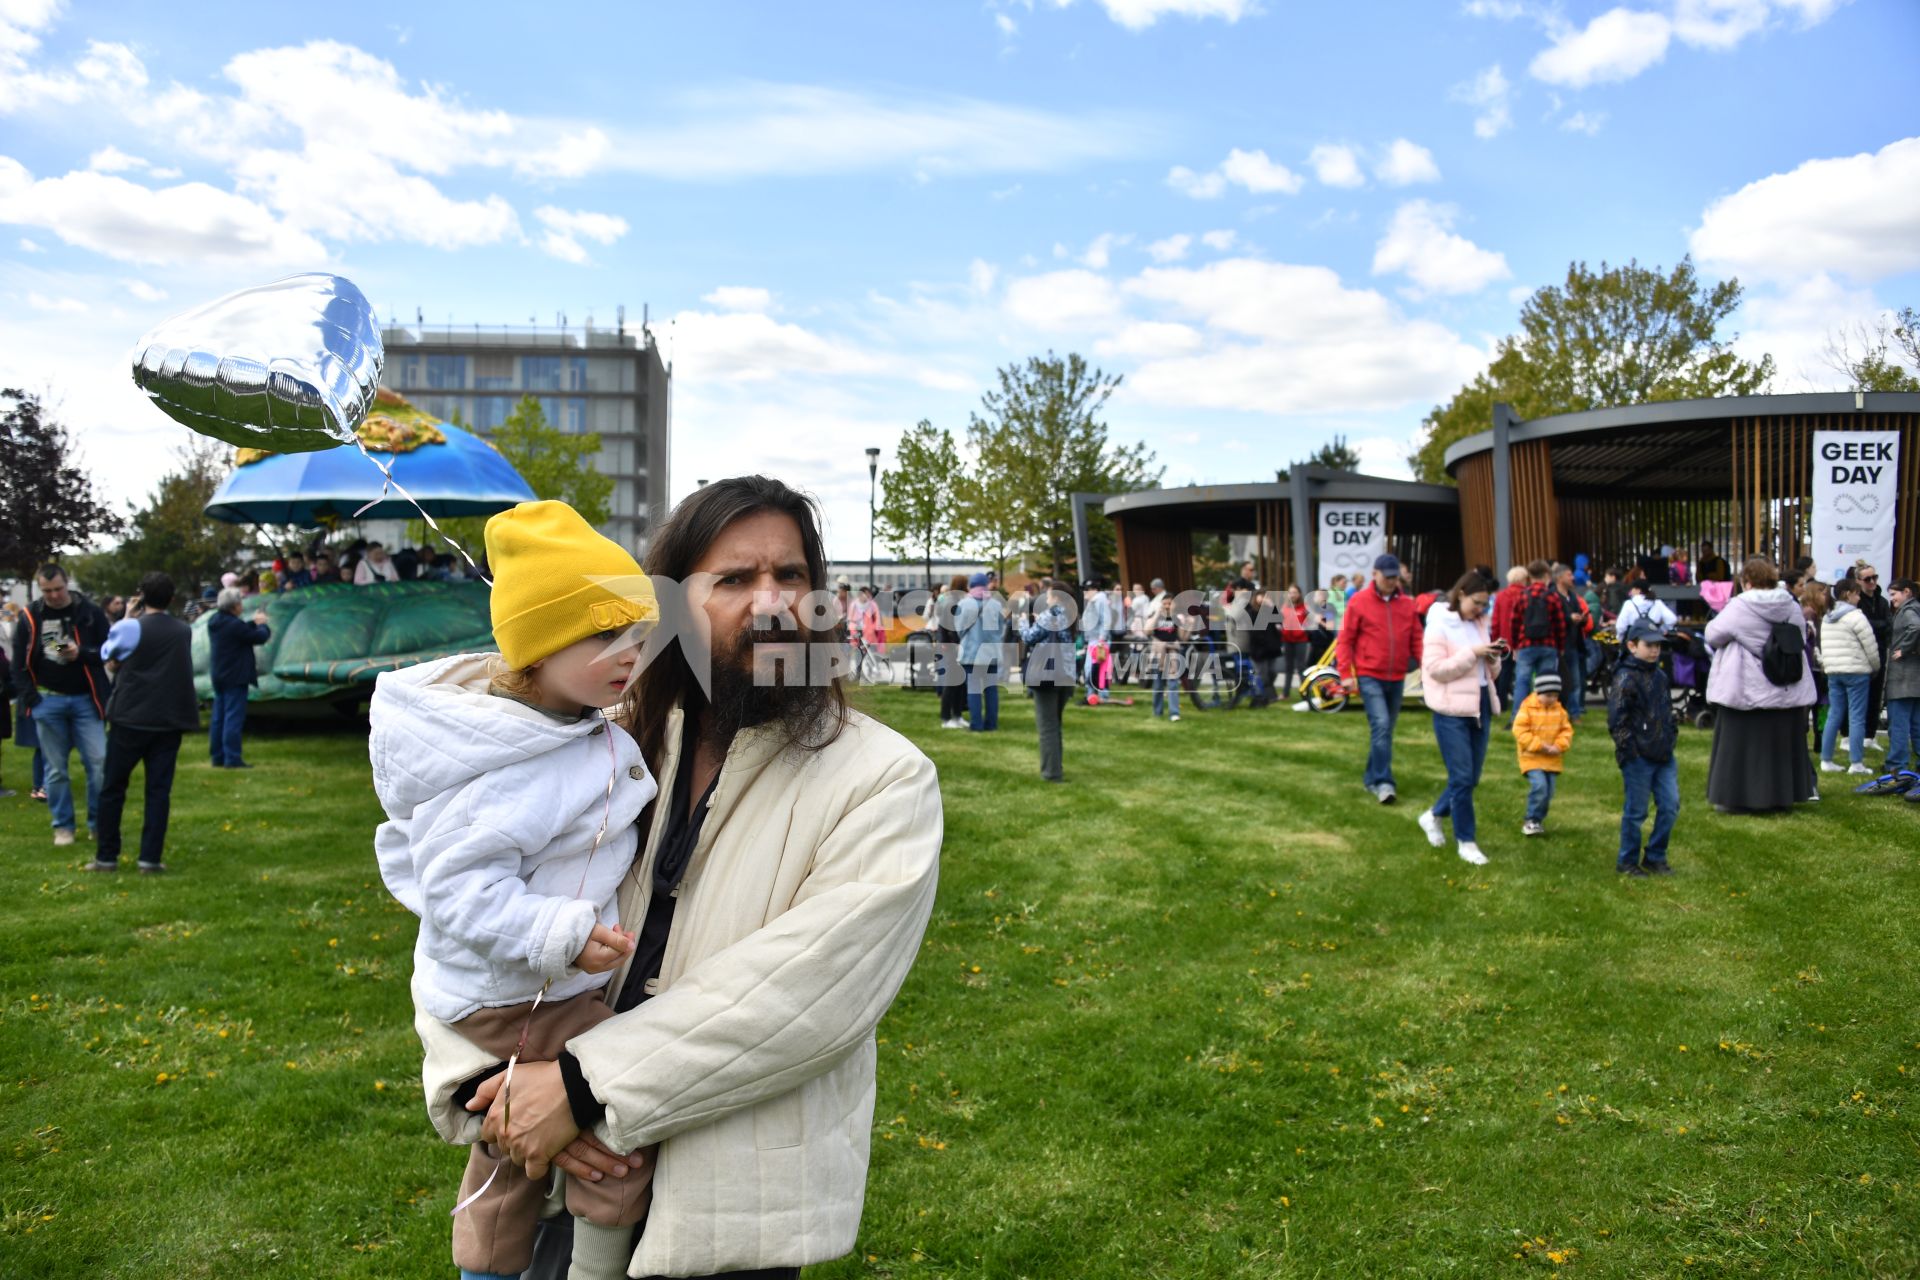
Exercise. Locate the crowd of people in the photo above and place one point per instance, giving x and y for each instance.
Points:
(1523, 659)
(119, 691)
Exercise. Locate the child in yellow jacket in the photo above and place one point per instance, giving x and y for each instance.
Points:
(1542, 731)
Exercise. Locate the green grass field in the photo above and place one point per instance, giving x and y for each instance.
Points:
(1206, 1010)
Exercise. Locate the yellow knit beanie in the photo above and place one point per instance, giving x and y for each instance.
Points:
(556, 581)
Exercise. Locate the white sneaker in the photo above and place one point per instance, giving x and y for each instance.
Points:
(1470, 852)
(63, 836)
(1431, 825)
(1873, 744)
(1532, 828)
(1859, 767)
(1385, 793)
(1828, 766)
(1176, 717)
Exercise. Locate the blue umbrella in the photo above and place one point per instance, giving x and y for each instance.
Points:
(465, 476)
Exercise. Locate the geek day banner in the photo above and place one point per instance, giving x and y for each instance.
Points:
(1854, 499)
(1352, 534)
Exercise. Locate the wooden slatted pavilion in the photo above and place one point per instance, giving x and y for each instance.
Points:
(1155, 528)
(1618, 483)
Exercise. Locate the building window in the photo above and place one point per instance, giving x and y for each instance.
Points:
(447, 373)
(540, 373)
(577, 373)
(576, 416)
(493, 373)
(490, 412)
(406, 371)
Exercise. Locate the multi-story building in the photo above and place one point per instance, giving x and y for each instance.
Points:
(608, 382)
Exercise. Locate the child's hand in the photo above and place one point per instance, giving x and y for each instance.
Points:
(1551, 750)
(604, 951)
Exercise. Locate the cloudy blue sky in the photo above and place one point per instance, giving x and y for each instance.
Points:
(1280, 219)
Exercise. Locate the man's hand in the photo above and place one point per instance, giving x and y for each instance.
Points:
(71, 650)
(260, 617)
(542, 1121)
(604, 951)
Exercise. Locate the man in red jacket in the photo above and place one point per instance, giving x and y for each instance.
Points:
(1504, 602)
(1379, 643)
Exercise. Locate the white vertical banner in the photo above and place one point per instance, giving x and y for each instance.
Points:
(1855, 497)
(1352, 535)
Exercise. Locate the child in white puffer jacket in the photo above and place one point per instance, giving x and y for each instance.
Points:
(511, 800)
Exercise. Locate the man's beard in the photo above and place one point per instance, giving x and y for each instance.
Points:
(746, 693)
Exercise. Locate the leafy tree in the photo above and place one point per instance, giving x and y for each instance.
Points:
(47, 503)
(919, 506)
(1616, 336)
(1336, 455)
(554, 463)
(172, 532)
(1888, 355)
(1041, 441)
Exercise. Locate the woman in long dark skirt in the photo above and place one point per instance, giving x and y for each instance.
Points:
(1760, 748)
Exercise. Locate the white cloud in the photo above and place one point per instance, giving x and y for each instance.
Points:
(1385, 456)
(1100, 252)
(1587, 122)
(1617, 45)
(1405, 164)
(1718, 24)
(1221, 240)
(1006, 24)
(574, 155)
(1064, 301)
(756, 129)
(742, 346)
(305, 187)
(1150, 339)
(1284, 338)
(735, 297)
(40, 302)
(1137, 15)
(1252, 170)
(1795, 324)
(112, 159)
(1502, 10)
(1856, 216)
(1493, 95)
(144, 291)
(1261, 176)
(1420, 244)
(1336, 165)
(1171, 249)
(981, 274)
(565, 230)
(1201, 186)
(30, 246)
(190, 223)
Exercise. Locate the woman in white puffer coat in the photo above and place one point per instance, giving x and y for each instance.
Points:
(1851, 658)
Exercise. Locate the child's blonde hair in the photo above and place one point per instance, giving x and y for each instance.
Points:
(511, 682)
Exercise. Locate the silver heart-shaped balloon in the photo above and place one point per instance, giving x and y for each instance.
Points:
(289, 367)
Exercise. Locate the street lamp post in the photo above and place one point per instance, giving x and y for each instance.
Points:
(873, 481)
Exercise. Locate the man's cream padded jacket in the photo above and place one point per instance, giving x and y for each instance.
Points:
(753, 1066)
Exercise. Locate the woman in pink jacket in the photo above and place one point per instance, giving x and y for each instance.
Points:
(1458, 667)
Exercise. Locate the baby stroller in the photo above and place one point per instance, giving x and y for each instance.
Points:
(1687, 677)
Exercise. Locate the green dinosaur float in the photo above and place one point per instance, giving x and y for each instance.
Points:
(330, 643)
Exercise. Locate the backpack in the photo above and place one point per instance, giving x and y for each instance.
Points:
(1536, 623)
(1783, 657)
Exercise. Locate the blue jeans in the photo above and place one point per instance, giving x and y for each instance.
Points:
(1381, 698)
(65, 721)
(223, 727)
(1648, 781)
(1528, 663)
(1573, 681)
(1846, 700)
(1903, 718)
(1463, 748)
(983, 696)
(1166, 689)
(1540, 785)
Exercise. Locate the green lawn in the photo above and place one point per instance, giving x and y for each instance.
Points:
(1206, 1010)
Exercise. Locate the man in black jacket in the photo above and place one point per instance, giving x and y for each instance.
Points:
(56, 662)
(230, 644)
(153, 703)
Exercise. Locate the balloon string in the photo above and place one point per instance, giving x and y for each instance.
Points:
(389, 483)
(526, 1028)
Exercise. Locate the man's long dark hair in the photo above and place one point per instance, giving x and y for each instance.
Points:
(817, 713)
